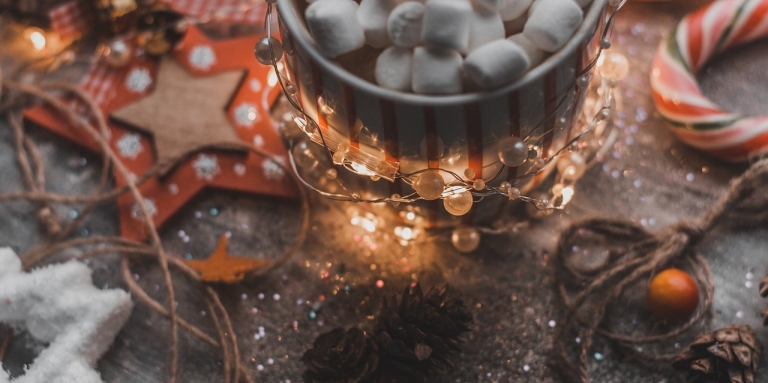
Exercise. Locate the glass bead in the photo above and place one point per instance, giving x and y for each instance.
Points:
(613, 66)
(512, 151)
(303, 156)
(264, 53)
(479, 185)
(582, 82)
(331, 174)
(290, 89)
(469, 173)
(429, 185)
(395, 197)
(539, 163)
(458, 204)
(542, 204)
(571, 166)
(505, 187)
(465, 239)
(513, 193)
(338, 157)
(605, 43)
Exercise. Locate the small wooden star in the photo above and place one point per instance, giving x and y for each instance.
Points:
(224, 268)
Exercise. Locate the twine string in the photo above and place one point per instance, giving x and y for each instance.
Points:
(635, 253)
(33, 173)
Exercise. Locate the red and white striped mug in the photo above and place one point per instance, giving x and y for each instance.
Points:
(455, 132)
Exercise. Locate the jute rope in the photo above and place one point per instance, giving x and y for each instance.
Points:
(637, 254)
(33, 173)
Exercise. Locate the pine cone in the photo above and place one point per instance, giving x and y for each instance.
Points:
(729, 355)
(764, 294)
(417, 335)
(341, 356)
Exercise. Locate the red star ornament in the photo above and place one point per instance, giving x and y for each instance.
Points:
(247, 112)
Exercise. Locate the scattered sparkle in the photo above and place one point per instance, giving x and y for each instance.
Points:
(261, 296)
(173, 188)
(552, 323)
(689, 177)
(202, 57)
(243, 296)
(312, 314)
(276, 297)
(748, 284)
(206, 166)
(260, 367)
(214, 212)
(138, 80)
(258, 140)
(599, 356)
(749, 276)
(129, 145)
(379, 283)
(270, 361)
(739, 314)
(73, 214)
(526, 368)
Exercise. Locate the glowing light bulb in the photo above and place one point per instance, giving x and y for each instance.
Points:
(36, 37)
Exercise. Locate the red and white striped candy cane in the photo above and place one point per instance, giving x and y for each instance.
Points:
(694, 118)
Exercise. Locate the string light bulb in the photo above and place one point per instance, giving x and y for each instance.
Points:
(36, 36)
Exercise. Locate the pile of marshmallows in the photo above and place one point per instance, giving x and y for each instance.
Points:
(432, 46)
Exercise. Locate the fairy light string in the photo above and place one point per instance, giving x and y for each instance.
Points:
(269, 51)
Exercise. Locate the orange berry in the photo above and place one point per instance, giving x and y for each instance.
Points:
(673, 295)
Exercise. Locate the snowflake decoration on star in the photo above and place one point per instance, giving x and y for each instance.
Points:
(151, 208)
(272, 170)
(246, 115)
(138, 80)
(202, 57)
(206, 166)
(129, 145)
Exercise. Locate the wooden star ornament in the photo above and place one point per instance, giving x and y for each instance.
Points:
(208, 92)
(224, 268)
(183, 112)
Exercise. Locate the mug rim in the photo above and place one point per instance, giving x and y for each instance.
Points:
(301, 36)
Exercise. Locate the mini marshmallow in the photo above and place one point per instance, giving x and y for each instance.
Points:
(394, 67)
(484, 27)
(372, 15)
(436, 71)
(334, 26)
(490, 5)
(514, 9)
(535, 55)
(552, 23)
(405, 23)
(447, 24)
(495, 64)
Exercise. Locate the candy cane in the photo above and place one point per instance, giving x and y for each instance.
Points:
(694, 118)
